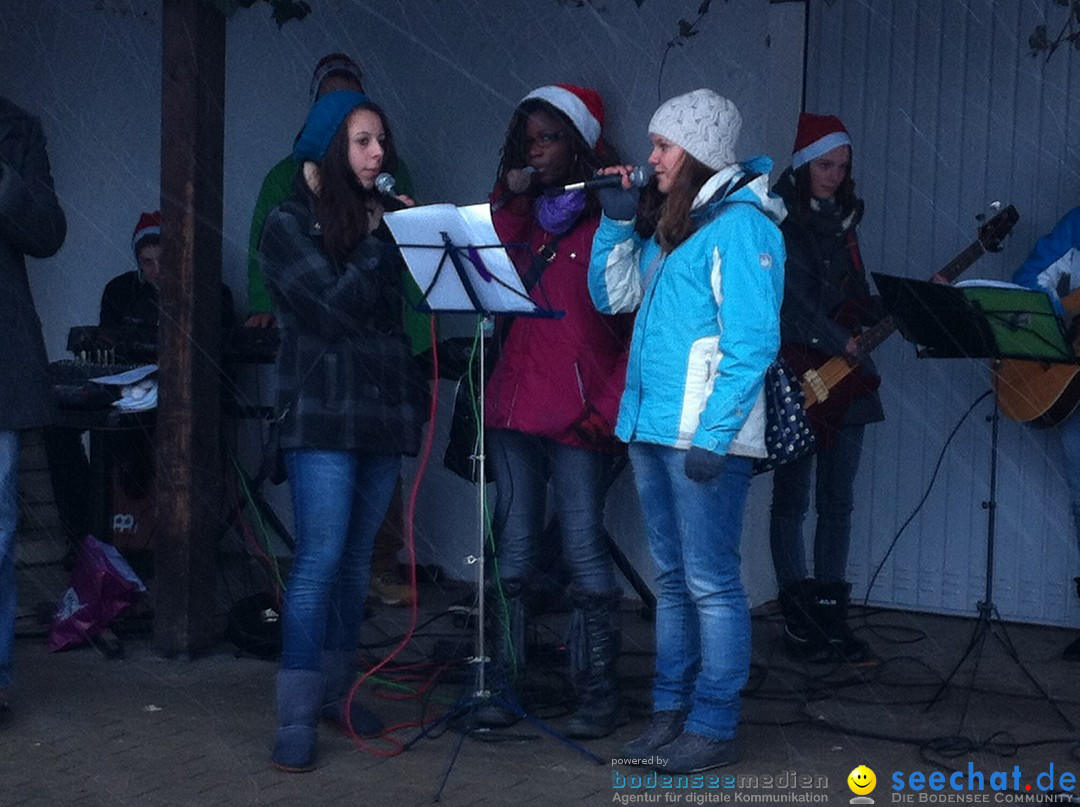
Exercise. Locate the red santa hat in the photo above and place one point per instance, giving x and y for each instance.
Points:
(817, 135)
(582, 105)
(149, 224)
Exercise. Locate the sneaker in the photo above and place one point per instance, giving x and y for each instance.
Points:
(663, 728)
(694, 753)
(391, 589)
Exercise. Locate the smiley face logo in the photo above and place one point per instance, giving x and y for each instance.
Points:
(861, 780)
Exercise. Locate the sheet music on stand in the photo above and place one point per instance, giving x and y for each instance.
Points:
(455, 257)
(468, 271)
(984, 320)
(976, 319)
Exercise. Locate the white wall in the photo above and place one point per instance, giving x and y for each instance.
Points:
(948, 112)
(448, 73)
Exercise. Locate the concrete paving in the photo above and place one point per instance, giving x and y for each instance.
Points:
(144, 730)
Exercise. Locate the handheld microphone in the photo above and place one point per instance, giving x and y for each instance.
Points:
(639, 176)
(384, 184)
(517, 181)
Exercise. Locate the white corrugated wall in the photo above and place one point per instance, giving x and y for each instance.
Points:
(948, 112)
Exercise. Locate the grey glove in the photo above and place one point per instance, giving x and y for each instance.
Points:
(702, 465)
(619, 203)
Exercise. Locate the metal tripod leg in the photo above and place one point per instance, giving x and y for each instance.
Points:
(989, 619)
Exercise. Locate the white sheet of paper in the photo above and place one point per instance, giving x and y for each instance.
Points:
(497, 285)
(128, 377)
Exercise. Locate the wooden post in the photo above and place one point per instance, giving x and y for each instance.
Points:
(189, 473)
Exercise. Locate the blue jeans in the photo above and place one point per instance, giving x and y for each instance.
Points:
(702, 618)
(522, 464)
(9, 517)
(834, 492)
(339, 499)
(1069, 431)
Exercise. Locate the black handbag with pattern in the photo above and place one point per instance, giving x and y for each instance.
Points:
(788, 435)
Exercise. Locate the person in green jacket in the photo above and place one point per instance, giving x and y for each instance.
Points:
(336, 71)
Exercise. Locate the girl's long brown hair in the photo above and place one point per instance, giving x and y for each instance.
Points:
(668, 216)
(342, 205)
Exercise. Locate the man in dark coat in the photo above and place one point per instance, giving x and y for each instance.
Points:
(31, 223)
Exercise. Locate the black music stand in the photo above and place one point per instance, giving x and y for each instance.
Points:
(992, 321)
(457, 261)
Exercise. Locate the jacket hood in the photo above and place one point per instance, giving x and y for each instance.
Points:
(714, 193)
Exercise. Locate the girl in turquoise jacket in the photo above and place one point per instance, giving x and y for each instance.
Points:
(703, 266)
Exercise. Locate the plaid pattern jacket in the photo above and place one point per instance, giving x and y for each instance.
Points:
(347, 379)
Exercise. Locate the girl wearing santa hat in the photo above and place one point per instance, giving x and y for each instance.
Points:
(550, 402)
(824, 279)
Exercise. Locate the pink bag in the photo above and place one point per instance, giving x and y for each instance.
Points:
(103, 586)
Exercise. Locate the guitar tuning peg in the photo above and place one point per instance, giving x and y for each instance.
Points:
(992, 210)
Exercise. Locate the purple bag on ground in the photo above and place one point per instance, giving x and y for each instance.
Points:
(103, 586)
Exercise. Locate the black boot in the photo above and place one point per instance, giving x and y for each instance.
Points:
(1072, 650)
(594, 655)
(506, 635)
(803, 638)
(830, 608)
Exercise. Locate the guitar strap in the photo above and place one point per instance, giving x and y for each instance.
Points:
(853, 248)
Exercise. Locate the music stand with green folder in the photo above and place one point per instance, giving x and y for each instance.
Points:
(993, 321)
(975, 321)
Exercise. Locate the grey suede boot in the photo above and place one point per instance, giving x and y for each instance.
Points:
(594, 653)
(339, 669)
(299, 695)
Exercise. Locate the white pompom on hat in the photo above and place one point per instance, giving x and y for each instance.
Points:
(703, 123)
(582, 105)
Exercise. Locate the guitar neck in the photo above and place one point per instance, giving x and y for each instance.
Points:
(875, 335)
(837, 368)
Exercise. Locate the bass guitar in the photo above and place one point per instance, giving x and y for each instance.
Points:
(1038, 392)
(830, 384)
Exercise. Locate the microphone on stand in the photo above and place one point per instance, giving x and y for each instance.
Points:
(639, 176)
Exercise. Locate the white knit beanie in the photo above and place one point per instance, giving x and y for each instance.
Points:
(705, 124)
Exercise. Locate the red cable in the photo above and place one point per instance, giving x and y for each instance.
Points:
(410, 545)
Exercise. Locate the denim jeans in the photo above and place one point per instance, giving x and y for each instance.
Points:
(9, 517)
(702, 618)
(1069, 431)
(339, 499)
(522, 464)
(834, 492)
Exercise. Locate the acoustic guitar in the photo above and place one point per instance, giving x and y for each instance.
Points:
(1038, 392)
(830, 384)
